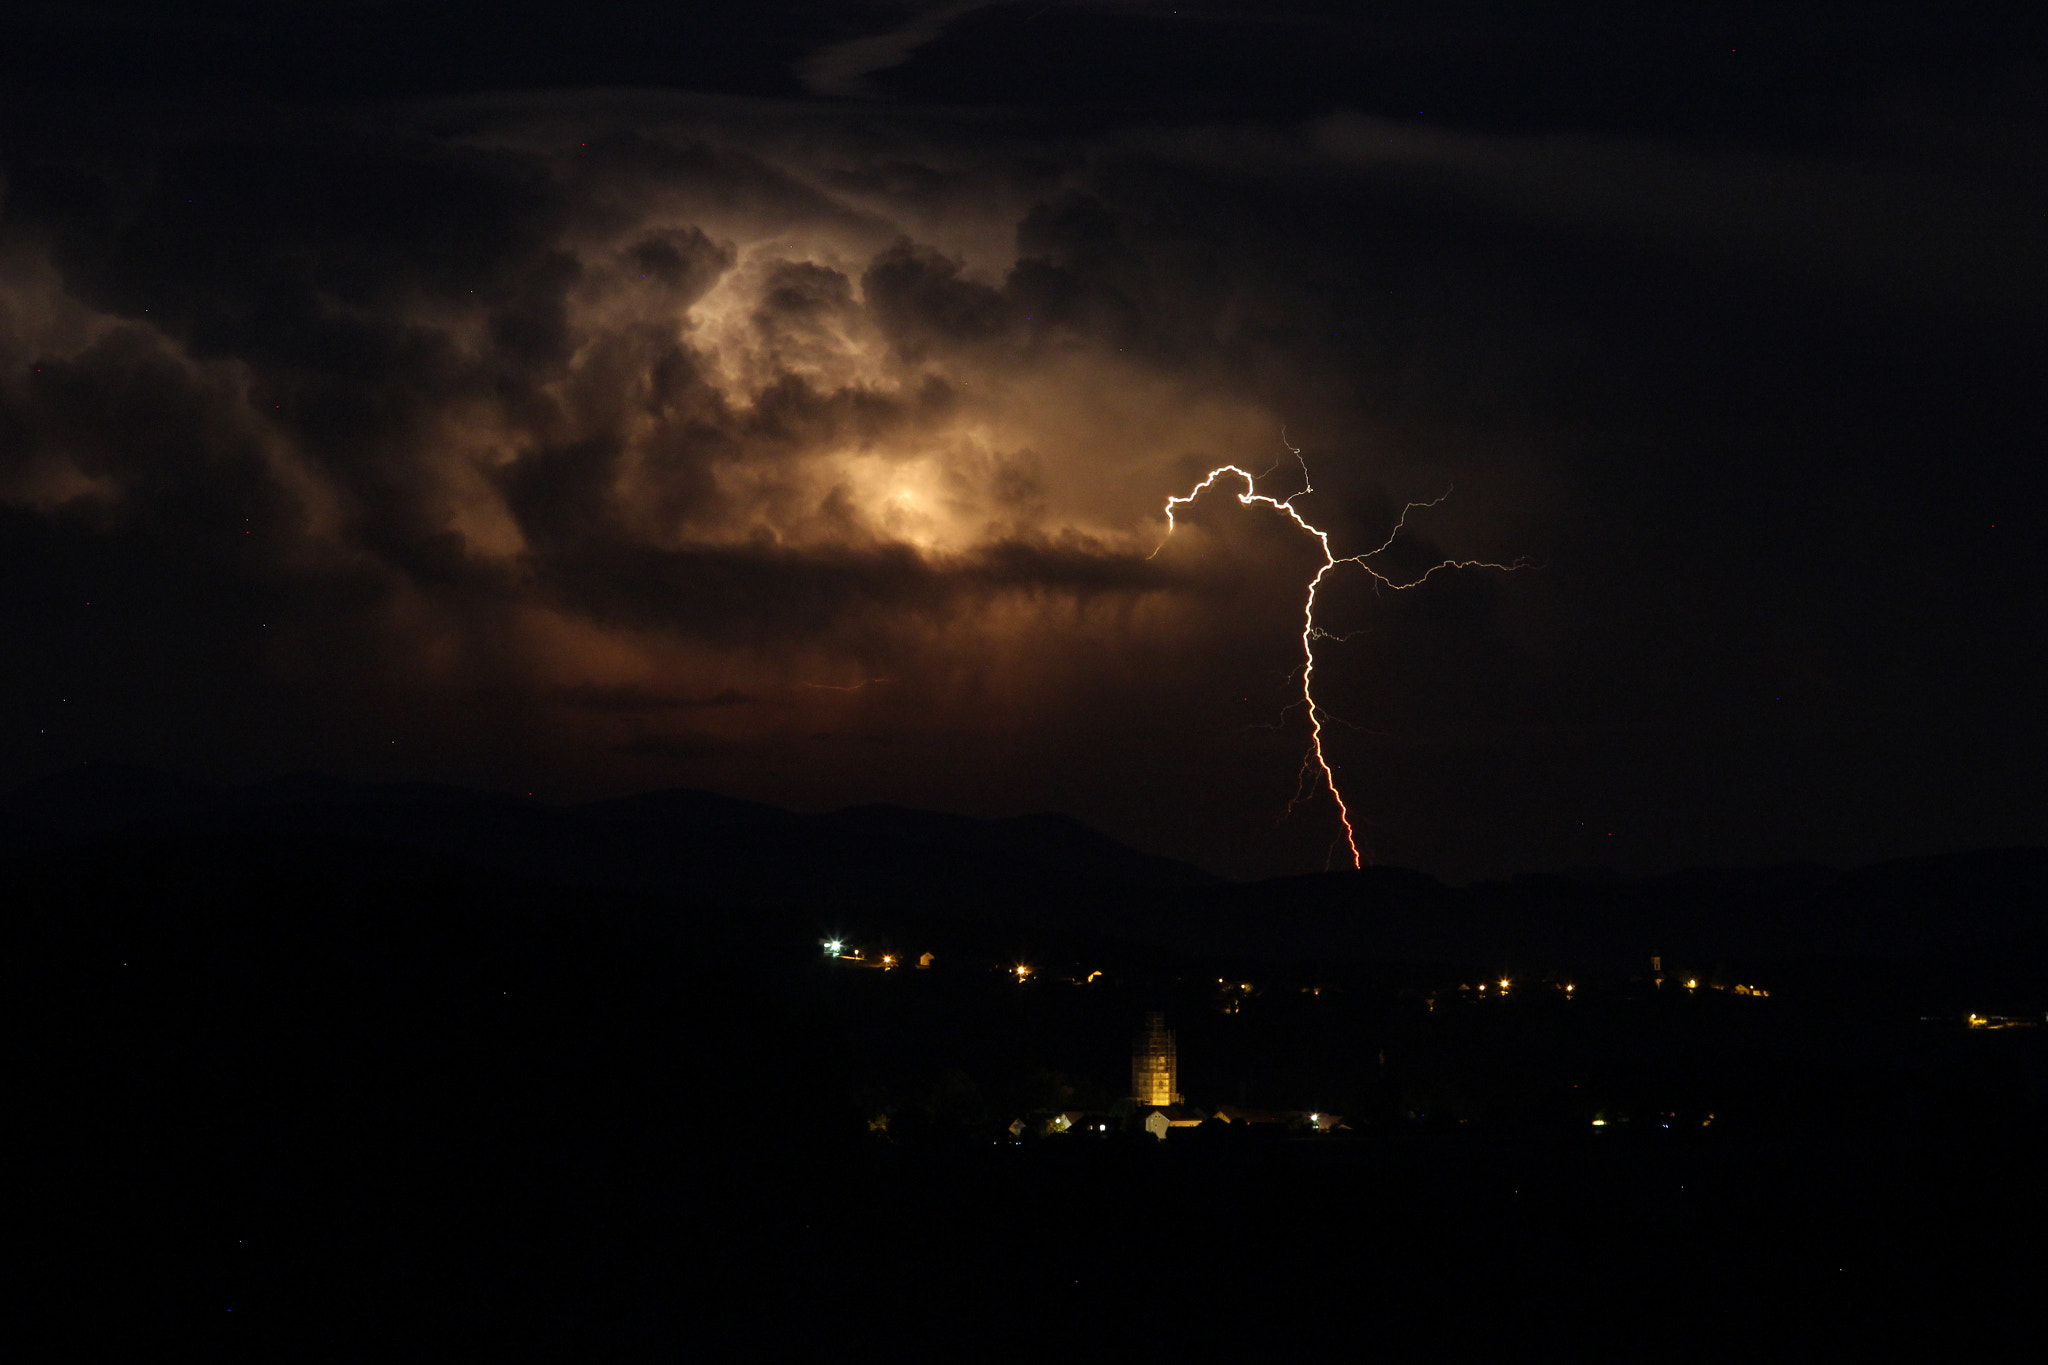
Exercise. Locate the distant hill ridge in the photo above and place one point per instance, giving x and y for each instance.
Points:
(99, 799)
(709, 855)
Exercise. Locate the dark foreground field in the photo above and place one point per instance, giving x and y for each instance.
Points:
(315, 1099)
(1451, 1247)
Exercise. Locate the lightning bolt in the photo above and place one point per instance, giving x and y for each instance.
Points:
(1310, 632)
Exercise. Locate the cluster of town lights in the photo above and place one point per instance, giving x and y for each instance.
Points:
(1505, 984)
(2002, 1021)
(1021, 972)
(839, 949)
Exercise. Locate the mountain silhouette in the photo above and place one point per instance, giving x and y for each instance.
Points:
(713, 857)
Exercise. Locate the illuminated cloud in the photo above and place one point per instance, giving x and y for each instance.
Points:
(601, 421)
(626, 440)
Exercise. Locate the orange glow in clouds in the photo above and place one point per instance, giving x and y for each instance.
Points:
(1310, 633)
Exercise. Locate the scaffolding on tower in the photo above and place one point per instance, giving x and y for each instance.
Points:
(1155, 1064)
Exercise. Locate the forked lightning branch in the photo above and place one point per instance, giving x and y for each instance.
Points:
(1318, 753)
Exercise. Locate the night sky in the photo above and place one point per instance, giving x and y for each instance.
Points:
(578, 399)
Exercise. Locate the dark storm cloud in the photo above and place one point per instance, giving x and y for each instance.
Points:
(299, 272)
(922, 302)
(330, 353)
(685, 746)
(612, 412)
(635, 701)
(614, 171)
(757, 596)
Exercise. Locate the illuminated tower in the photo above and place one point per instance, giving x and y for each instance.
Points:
(1155, 1064)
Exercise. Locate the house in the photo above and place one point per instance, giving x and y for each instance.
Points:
(1231, 1113)
(1162, 1121)
(1292, 1119)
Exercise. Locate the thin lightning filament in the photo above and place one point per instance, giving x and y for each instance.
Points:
(1310, 632)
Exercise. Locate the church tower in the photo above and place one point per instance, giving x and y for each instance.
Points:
(1155, 1065)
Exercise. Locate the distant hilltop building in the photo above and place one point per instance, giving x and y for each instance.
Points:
(1155, 1065)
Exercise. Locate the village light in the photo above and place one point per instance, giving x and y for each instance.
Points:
(833, 946)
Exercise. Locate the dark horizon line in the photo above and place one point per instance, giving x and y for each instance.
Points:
(20, 800)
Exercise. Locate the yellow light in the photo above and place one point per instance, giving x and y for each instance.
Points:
(1692, 985)
(1599, 1123)
(1569, 988)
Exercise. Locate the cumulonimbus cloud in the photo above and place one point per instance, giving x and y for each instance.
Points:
(538, 425)
(580, 414)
